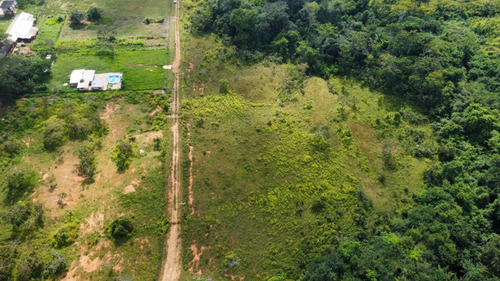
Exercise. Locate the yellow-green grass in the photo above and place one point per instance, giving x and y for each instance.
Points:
(465, 5)
(261, 164)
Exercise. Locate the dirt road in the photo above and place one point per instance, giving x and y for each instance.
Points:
(171, 270)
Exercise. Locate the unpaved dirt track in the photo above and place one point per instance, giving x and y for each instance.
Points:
(171, 269)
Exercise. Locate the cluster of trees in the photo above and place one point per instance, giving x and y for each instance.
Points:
(76, 122)
(436, 60)
(93, 14)
(22, 75)
(425, 57)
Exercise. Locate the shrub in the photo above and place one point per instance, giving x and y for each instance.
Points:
(9, 145)
(88, 164)
(224, 86)
(28, 268)
(76, 17)
(94, 13)
(122, 153)
(20, 181)
(25, 218)
(54, 133)
(120, 228)
(56, 265)
(51, 21)
(65, 235)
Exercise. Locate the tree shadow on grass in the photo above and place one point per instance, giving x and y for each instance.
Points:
(77, 26)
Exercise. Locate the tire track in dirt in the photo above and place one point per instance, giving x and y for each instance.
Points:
(171, 269)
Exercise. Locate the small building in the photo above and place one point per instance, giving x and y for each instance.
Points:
(22, 28)
(6, 47)
(8, 8)
(86, 80)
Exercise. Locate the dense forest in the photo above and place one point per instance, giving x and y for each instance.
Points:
(442, 56)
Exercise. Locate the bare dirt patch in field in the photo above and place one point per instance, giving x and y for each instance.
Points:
(195, 263)
(68, 183)
(95, 223)
(90, 265)
(129, 189)
(233, 277)
(156, 111)
(145, 138)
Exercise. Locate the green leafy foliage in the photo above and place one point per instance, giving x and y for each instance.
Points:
(88, 162)
(94, 14)
(76, 17)
(120, 228)
(54, 133)
(18, 182)
(122, 154)
(21, 75)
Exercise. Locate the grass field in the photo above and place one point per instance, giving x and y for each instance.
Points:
(285, 165)
(125, 18)
(141, 69)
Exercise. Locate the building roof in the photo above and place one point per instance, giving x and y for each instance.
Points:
(83, 85)
(78, 74)
(88, 75)
(97, 84)
(7, 4)
(22, 27)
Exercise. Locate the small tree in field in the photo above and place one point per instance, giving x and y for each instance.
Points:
(120, 228)
(94, 13)
(88, 163)
(122, 153)
(76, 17)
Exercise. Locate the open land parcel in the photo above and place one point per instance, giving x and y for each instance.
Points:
(75, 176)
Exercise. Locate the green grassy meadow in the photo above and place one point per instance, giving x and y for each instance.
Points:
(142, 69)
(286, 165)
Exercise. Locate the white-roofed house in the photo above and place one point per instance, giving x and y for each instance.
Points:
(22, 28)
(8, 8)
(76, 76)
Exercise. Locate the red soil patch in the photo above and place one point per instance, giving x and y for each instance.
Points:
(195, 263)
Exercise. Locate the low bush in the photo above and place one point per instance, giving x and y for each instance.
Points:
(120, 228)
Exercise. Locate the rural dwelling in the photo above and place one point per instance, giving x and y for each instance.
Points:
(6, 47)
(86, 80)
(22, 29)
(8, 8)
